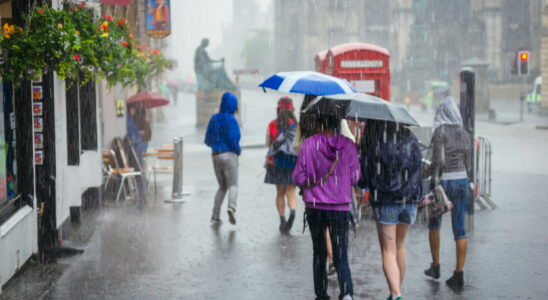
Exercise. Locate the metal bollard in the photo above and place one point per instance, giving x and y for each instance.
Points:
(177, 192)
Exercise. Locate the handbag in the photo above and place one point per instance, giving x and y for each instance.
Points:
(437, 202)
(308, 186)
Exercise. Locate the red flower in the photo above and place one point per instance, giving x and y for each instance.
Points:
(41, 11)
(108, 18)
(83, 4)
(125, 44)
(155, 51)
(74, 9)
(121, 22)
(76, 57)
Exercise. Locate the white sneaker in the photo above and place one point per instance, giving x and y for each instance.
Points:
(347, 297)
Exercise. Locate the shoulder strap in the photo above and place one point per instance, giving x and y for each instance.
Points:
(324, 177)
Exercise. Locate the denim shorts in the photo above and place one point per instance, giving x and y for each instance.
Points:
(458, 192)
(392, 214)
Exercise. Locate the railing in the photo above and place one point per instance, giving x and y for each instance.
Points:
(483, 172)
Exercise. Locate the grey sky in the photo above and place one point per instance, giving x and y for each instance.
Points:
(193, 20)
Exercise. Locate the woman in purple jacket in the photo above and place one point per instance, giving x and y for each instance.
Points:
(327, 167)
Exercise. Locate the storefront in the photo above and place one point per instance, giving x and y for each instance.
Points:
(18, 210)
(50, 161)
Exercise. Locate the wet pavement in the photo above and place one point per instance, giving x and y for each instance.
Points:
(169, 251)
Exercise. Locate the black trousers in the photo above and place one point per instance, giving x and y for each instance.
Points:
(338, 224)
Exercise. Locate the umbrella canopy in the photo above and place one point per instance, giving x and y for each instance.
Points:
(359, 107)
(148, 100)
(307, 82)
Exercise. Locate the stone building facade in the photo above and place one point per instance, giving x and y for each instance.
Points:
(490, 30)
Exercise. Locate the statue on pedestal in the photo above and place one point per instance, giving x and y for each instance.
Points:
(210, 74)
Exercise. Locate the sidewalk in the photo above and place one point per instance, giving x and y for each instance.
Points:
(169, 251)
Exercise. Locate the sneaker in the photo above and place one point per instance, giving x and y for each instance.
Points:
(231, 217)
(216, 222)
(331, 270)
(397, 298)
(457, 280)
(433, 271)
(347, 297)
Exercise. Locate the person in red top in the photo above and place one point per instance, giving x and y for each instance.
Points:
(281, 160)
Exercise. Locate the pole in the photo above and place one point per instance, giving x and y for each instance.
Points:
(177, 192)
(467, 109)
(521, 98)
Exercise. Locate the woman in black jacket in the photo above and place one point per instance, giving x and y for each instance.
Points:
(391, 169)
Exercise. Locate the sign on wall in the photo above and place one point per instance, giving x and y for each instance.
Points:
(361, 64)
(158, 20)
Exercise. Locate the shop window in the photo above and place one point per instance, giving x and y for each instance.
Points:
(9, 202)
(81, 120)
(88, 120)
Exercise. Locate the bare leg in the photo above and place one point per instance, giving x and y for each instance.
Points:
(401, 256)
(329, 247)
(462, 245)
(280, 201)
(291, 196)
(434, 238)
(387, 239)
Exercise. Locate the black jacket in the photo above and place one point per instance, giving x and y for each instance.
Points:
(390, 158)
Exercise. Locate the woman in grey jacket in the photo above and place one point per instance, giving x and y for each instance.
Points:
(451, 168)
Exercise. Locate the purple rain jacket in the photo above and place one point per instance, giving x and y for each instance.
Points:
(316, 157)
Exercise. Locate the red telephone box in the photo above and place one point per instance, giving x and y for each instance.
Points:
(365, 66)
(320, 62)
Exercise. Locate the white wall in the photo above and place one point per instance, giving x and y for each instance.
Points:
(112, 125)
(72, 181)
(18, 241)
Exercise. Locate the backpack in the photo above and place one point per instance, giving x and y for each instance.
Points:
(282, 149)
(393, 165)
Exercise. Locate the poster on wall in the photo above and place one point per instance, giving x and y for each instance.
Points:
(38, 125)
(38, 141)
(158, 20)
(37, 93)
(38, 157)
(37, 109)
(120, 108)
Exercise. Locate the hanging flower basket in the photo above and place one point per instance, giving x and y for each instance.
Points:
(74, 44)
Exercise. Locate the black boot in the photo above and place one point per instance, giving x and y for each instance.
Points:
(433, 271)
(282, 224)
(289, 223)
(457, 280)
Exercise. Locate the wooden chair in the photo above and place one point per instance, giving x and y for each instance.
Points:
(115, 170)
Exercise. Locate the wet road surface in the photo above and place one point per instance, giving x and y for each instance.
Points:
(169, 251)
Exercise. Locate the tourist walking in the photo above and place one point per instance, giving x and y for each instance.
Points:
(391, 162)
(223, 137)
(450, 169)
(326, 169)
(281, 160)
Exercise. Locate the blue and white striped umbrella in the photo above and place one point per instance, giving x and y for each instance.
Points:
(307, 82)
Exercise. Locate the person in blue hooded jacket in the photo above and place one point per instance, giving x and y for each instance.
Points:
(223, 137)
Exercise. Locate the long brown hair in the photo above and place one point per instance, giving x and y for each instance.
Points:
(285, 116)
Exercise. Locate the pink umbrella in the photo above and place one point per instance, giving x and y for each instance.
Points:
(148, 100)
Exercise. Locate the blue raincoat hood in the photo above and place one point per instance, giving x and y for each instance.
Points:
(229, 103)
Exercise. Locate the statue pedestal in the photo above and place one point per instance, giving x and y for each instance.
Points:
(207, 103)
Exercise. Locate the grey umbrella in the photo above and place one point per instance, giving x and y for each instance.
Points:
(359, 107)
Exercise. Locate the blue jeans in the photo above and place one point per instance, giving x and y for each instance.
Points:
(458, 192)
(338, 223)
(392, 214)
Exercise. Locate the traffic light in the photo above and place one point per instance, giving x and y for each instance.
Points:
(523, 63)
